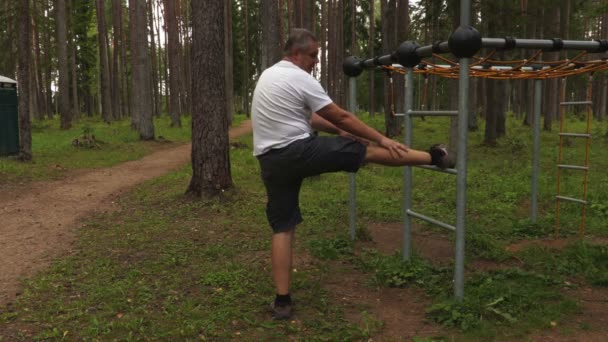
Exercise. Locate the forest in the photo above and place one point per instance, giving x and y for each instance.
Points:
(134, 209)
(80, 58)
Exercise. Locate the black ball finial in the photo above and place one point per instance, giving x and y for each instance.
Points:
(465, 42)
(406, 54)
(352, 66)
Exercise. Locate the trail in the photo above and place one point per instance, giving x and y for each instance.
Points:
(38, 220)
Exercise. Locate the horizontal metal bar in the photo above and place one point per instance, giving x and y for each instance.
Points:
(399, 114)
(545, 44)
(435, 168)
(427, 51)
(571, 199)
(576, 135)
(433, 112)
(576, 103)
(430, 220)
(573, 167)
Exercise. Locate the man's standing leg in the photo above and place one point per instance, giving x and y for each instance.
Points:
(282, 260)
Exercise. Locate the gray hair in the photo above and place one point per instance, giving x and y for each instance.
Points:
(299, 39)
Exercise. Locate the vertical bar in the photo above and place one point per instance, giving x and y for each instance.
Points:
(562, 112)
(352, 105)
(538, 88)
(461, 160)
(407, 170)
(589, 109)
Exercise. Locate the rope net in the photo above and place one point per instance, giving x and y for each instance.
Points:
(531, 68)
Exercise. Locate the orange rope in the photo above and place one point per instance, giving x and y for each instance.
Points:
(553, 69)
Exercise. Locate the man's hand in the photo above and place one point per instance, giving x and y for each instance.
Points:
(395, 148)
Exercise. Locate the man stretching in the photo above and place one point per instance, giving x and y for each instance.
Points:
(288, 103)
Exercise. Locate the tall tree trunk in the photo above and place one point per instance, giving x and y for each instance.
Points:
(117, 72)
(72, 60)
(154, 64)
(104, 72)
(25, 48)
(228, 56)
(175, 73)
(271, 48)
(140, 65)
(324, 47)
(372, 41)
(247, 59)
(39, 94)
(125, 97)
(389, 18)
(162, 63)
(210, 149)
(48, 66)
(65, 111)
(490, 135)
(552, 95)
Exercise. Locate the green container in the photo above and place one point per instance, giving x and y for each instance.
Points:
(9, 117)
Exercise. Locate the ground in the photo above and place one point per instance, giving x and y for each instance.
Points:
(40, 219)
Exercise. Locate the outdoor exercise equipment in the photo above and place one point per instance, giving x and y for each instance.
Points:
(585, 168)
(465, 42)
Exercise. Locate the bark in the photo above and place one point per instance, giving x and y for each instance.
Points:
(72, 61)
(104, 72)
(154, 64)
(271, 48)
(47, 69)
(552, 95)
(302, 14)
(65, 111)
(39, 94)
(247, 59)
(228, 57)
(490, 135)
(210, 149)
(24, 71)
(140, 67)
(389, 11)
(372, 41)
(323, 61)
(117, 71)
(175, 74)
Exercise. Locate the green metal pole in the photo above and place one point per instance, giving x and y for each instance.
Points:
(352, 105)
(461, 161)
(538, 89)
(407, 174)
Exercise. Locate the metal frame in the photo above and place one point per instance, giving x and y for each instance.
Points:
(462, 113)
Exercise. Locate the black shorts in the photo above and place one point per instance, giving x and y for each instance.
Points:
(284, 169)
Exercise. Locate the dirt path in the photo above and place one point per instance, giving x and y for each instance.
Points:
(38, 220)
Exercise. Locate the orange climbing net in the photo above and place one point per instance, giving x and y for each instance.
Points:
(530, 68)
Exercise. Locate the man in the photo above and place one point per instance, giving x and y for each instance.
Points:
(288, 103)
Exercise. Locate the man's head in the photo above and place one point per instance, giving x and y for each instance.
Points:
(302, 49)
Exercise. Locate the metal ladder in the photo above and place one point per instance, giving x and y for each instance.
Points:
(459, 228)
(560, 166)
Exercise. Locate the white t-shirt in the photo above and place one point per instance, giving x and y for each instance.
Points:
(282, 104)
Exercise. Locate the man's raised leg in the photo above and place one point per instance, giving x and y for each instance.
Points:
(437, 156)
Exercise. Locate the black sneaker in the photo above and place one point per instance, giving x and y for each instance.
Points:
(280, 312)
(441, 158)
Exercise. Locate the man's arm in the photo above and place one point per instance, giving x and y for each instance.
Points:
(348, 122)
(320, 124)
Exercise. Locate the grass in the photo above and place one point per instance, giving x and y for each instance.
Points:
(171, 268)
